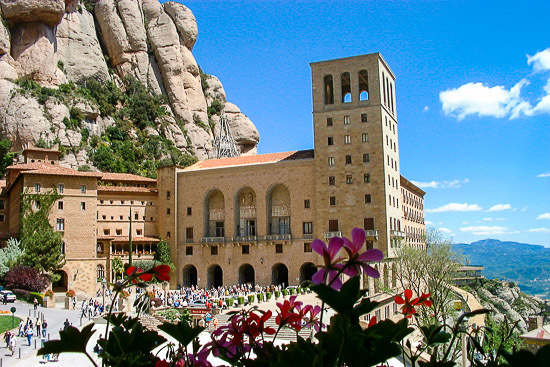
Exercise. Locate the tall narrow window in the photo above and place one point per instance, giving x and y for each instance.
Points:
(348, 159)
(329, 121)
(331, 161)
(365, 137)
(363, 86)
(36, 187)
(60, 224)
(349, 179)
(391, 95)
(332, 180)
(329, 89)
(346, 120)
(347, 139)
(366, 158)
(82, 189)
(384, 86)
(346, 87)
(330, 140)
(332, 200)
(60, 188)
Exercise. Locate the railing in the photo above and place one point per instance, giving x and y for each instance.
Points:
(246, 238)
(212, 239)
(280, 211)
(396, 233)
(333, 234)
(371, 233)
(277, 237)
(308, 236)
(188, 240)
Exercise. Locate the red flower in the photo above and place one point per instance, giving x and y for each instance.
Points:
(255, 325)
(286, 314)
(162, 272)
(372, 321)
(162, 363)
(409, 304)
(132, 270)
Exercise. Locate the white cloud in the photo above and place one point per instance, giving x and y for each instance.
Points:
(546, 174)
(445, 230)
(455, 184)
(499, 207)
(539, 230)
(428, 222)
(426, 108)
(480, 99)
(540, 60)
(544, 216)
(487, 231)
(524, 208)
(456, 207)
(489, 219)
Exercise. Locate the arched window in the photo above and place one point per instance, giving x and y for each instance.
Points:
(363, 85)
(100, 272)
(329, 89)
(346, 87)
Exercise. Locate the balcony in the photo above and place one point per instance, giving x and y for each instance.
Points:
(212, 239)
(371, 233)
(396, 233)
(246, 238)
(278, 237)
(308, 236)
(216, 214)
(333, 234)
(280, 211)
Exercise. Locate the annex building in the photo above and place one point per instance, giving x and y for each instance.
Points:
(245, 219)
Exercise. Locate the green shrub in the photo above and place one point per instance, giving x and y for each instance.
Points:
(260, 297)
(277, 294)
(21, 294)
(250, 298)
(291, 291)
(39, 297)
(268, 295)
(285, 292)
(229, 302)
(240, 300)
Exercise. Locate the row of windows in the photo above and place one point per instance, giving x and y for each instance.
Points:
(349, 179)
(368, 224)
(123, 217)
(60, 188)
(347, 139)
(412, 200)
(118, 232)
(347, 119)
(390, 125)
(393, 201)
(393, 182)
(392, 163)
(345, 84)
(122, 202)
(391, 143)
(348, 159)
(332, 199)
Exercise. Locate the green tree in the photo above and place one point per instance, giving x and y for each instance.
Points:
(430, 271)
(162, 254)
(117, 266)
(9, 256)
(42, 245)
(6, 157)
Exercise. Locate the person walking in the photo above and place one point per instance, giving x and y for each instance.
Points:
(38, 324)
(13, 345)
(44, 327)
(21, 326)
(74, 303)
(35, 304)
(66, 324)
(7, 337)
(29, 333)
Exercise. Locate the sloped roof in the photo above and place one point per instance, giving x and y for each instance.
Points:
(251, 160)
(108, 176)
(40, 168)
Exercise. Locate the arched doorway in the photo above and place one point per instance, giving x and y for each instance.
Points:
(306, 271)
(189, 276)
(246, 274)
(215, 276)
(62, 285)
(279, 275)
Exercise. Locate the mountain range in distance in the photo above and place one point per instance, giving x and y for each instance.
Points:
(521, 263)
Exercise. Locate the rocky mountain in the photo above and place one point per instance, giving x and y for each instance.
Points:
(526, 265)
(63, 61)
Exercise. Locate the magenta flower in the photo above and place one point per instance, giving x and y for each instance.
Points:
(358, 262)
(330, 271)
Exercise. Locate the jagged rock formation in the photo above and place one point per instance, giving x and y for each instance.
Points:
(506, 299)
(56, 42)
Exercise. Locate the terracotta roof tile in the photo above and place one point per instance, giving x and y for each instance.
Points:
(251, 159)
(108, 176)
(40, 168)
(126, 189)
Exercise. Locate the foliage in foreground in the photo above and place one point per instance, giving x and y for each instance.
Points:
(26, 278)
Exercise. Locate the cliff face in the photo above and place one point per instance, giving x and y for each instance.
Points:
(57, 43)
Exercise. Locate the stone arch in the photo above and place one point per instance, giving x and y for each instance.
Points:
(345, 82)
(279, 275)
(247, 274)
(214, 214)
(245, 212)
(214, 276)
(62, 285)
(306, 271)
(278, 209)
(329, 89)
(189, 274)
(363, 85)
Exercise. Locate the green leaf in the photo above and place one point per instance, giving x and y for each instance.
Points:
(182, 332)
(71, 340)
(341, 301)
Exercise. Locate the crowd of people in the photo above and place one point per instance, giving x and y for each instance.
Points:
(26, 329)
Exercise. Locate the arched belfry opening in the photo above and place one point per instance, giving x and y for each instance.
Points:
(214, 214)
(363, 85)
(346, 87)
(278, 210)
(245, 212)
(329, 89)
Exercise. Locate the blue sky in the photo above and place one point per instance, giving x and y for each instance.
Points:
(472, 77)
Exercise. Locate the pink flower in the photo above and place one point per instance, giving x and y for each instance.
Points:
(331, 267)
(358, 262)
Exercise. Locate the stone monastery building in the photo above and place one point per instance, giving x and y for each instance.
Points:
(246, 219)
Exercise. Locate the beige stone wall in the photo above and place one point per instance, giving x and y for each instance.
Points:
(167, 212)
(413, 214)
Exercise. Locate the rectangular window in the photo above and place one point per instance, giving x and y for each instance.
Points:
(347, 139)
(332, 180)
(136, 216)
(213, 250)
(308, 227)
(103, 217)
(349, 179)
(364, 117)
(368, 198)
(167, 211)
(189, 233)
(366, 178)
(120, 217)
(348, 159)
(346, 120)
(189, 210)
(2, 205)
(37, 187)
(37, 204)
(365, 137)
(333, 225)
(366, 158)
(82, 189)
(330, 140)
(168, 235)
(188, 250)
(329, 121)
(278, 248)
(167, 194)
(121, 202)
(82, 205)
(368, 224)
(245, 250)
(60, 224)
(139, 232)
(332, 200)
(106, 232)
(60, 188)
(307, 247)
(220, 229)
(2, 218)
(370, 245)
(307, 204)
(118, 232)
(331, 161)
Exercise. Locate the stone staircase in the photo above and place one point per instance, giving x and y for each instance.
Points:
(151, 322)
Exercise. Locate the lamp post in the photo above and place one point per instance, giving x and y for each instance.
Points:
(103, 285)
